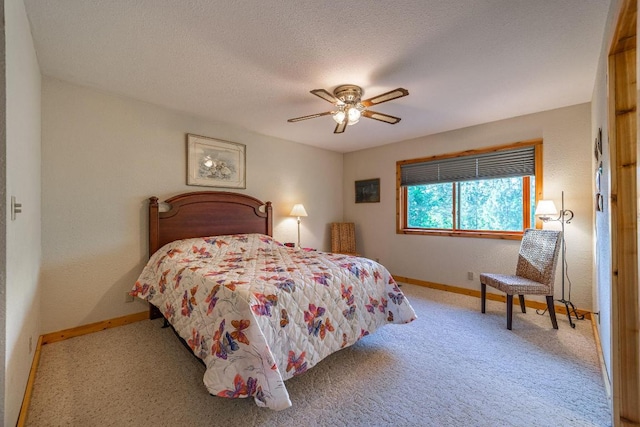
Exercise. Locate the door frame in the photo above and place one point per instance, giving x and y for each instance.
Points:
(623, 149)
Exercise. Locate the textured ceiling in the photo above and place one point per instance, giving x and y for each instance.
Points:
(252, 63)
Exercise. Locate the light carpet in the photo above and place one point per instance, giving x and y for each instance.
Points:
(453, 366)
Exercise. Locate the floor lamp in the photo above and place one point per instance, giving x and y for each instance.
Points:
(545, 210)
(298, 210)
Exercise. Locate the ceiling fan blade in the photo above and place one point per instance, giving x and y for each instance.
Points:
(311, 116)
(387, 96)
(325, 95)
(382, 117)
(340, 127)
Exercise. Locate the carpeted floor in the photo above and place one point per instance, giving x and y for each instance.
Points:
(452, 367)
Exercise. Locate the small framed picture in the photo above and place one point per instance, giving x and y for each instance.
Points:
(600, 141)
(368, 191)
(597, 145)
(215, 163)
(599, 202)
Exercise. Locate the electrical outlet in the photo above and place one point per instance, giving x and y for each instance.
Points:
(470, 275)
(128, 297)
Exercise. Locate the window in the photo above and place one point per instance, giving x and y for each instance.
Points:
(481, 193)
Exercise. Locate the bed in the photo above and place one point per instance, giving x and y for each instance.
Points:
(254, 311)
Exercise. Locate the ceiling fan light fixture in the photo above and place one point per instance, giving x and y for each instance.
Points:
(353, 115)
(347, 99)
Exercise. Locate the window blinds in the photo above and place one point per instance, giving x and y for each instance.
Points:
(498, 164)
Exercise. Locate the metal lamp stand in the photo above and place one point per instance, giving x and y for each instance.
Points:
(298, 246)
(566, 215)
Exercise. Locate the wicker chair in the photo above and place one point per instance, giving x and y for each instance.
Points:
(343, 238)
(535, 272)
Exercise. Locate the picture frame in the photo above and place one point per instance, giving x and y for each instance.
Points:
(368, 191)
(597, 145)
(599, 202)
(215, 163)
(599, 142)
(599, 196)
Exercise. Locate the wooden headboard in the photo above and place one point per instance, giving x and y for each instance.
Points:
(205, 213)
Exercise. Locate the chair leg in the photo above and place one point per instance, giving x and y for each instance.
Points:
(521, 297)
(483, 296)
(509, 310)
(552, 311)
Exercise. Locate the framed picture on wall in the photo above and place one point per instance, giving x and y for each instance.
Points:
(368, 191)
(597, 145)
(600, 142)
(215, 163)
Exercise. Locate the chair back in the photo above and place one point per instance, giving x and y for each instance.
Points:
(343, 237)
(538, 256)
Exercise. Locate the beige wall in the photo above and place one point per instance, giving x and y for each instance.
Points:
(23, 237)
(104, 155)
(567, 166)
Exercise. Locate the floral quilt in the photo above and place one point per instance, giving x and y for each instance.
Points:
(258, 313)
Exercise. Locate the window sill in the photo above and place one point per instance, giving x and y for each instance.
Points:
(506, 235)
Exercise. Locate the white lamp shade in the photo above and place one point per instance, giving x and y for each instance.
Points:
(546, 208)
(353, 115)
(298, 210)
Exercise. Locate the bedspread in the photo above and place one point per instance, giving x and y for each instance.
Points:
(258, 312)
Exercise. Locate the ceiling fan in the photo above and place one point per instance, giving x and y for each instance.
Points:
(349, 107)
